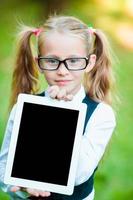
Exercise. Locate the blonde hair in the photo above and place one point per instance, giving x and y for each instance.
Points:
(98, 82)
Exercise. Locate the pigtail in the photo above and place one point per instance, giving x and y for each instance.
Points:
(25, 74)
(101, 78)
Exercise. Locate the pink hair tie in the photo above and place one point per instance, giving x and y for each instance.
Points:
(91, 30)
(37, 32)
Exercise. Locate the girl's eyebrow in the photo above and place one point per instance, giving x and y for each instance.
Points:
(74, 56)
(52, 56)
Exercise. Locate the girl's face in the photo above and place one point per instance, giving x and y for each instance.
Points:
(62, 46)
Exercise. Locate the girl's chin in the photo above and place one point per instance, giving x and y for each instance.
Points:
(62, 84)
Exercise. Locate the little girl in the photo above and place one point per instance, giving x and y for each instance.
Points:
(76, 63)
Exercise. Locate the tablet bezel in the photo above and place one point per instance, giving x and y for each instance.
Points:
(68, 189)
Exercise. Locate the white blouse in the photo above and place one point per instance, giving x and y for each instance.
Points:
(94, 141)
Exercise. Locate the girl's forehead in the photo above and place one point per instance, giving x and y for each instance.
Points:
(63, 42)
(63, 37)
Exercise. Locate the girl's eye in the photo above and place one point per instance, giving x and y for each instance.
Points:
(73, 60)
(52, 61)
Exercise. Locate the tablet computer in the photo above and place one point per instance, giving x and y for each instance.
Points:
(45, 144)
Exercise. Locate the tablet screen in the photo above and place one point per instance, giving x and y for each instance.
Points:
(45, 143)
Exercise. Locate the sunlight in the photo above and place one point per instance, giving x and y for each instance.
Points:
(129, 8)
(124, 34)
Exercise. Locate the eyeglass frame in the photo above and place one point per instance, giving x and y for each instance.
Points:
(64, 62)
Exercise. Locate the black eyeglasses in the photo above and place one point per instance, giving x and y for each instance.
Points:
(72, 64)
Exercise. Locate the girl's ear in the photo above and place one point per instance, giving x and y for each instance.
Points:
(91, 63)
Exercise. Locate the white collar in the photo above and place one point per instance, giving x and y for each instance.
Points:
(79, 96)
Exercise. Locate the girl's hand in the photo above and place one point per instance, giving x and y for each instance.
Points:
(30, 191)
(57, 93)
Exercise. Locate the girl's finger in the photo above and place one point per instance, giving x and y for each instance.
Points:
(32, 192)
(44, 193)
(53, 88)
(15, 188)
(53, 91)
(53, 94)
(61, 94)
(38, 193)
(69, 97)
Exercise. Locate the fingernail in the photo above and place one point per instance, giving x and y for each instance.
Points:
(48, 194)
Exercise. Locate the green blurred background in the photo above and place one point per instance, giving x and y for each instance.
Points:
(114, 179)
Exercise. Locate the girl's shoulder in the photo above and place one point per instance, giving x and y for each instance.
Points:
(104, 112)
(105, 107)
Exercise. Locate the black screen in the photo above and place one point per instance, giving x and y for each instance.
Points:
(45, 143)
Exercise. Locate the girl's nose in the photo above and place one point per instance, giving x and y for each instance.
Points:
(62, 69)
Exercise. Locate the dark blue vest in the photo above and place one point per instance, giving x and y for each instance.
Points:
(83, 190)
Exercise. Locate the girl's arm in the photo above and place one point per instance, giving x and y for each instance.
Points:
(3, 157)
(5, 144)
(94, 141)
